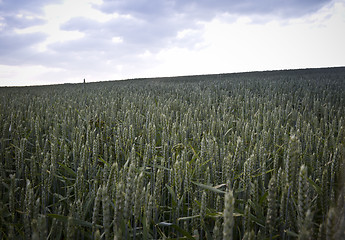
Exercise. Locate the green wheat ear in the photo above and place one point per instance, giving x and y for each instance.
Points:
(97, 235)
(271, 207)
(203, 210)
(331, 224)
(306, 231)
(303, 201)
(217, 229)
(97, 204)
(249, 235)
(106, 212)
(228, 216)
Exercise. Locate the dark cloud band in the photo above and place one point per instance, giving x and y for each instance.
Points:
(204, 8)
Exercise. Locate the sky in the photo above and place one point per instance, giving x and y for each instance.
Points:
(64, 41)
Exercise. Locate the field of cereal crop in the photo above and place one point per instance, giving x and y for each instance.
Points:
(232, 156)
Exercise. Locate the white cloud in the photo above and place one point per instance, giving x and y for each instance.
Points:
(61, 13)
(117, 39)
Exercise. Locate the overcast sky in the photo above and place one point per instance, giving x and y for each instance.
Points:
(60, 41)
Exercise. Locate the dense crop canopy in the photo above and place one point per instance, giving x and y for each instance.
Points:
(232, 155)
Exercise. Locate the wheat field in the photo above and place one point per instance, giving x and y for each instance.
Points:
(231, 156)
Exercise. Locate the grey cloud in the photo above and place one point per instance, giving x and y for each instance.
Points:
(139, 7)
(202, 9)
(93, 51)
(137, 34)
(81, 24)
(33, 6)
(16, 48)
(12, 22)
(283, 8)
(147, 32)
(10, 11)
(12, 42)
(88, 44)
(73, 56)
